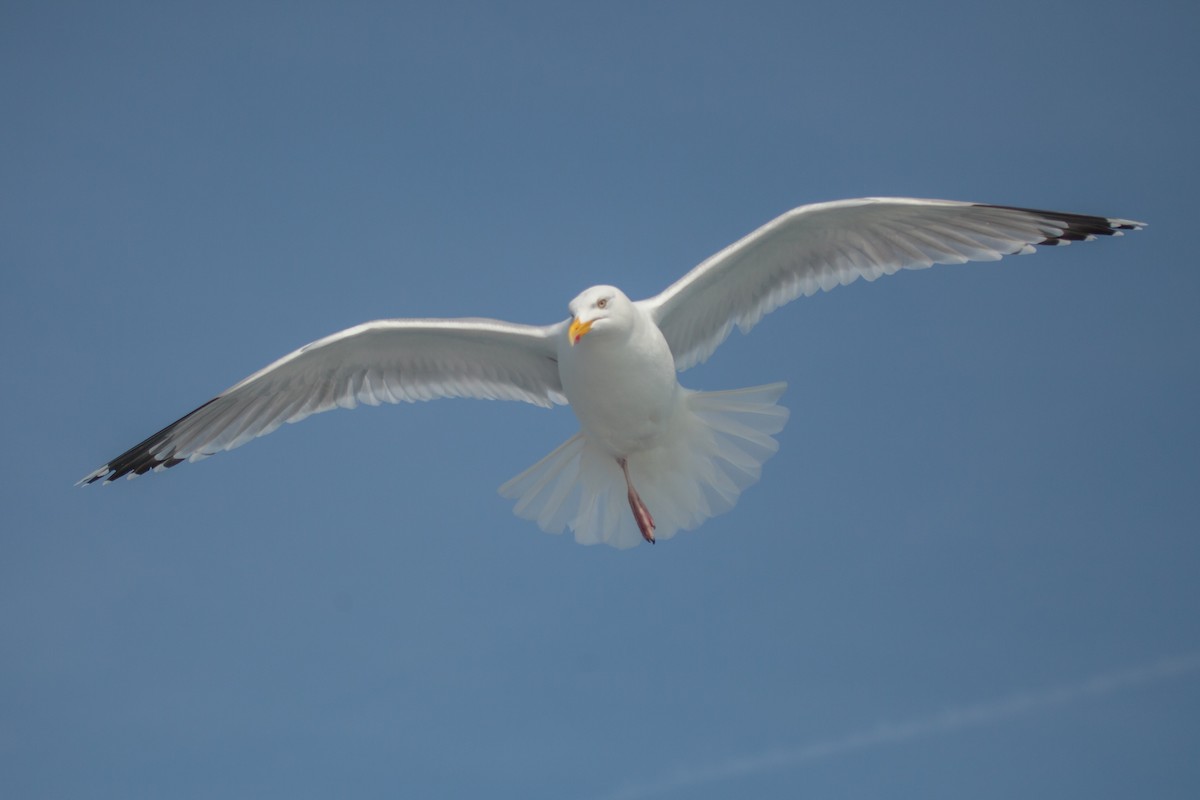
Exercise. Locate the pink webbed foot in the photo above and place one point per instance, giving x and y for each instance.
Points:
(641, 514)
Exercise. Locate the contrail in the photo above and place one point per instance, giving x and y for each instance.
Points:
(952, 719)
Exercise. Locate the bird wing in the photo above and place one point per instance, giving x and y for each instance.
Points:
(387, 361)
(824, 245)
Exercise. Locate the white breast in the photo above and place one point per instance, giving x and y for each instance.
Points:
(621, 385)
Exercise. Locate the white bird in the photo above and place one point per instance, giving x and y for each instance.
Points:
(676, 457)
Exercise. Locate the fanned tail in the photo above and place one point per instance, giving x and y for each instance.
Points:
(716, 448)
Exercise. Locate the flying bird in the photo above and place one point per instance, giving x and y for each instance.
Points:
(651, 457)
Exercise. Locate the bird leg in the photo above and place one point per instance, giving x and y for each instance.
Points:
(641, 514)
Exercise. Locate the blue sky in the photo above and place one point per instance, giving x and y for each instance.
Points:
(987, 490)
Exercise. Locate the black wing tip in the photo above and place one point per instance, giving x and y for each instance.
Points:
(151, 454)
(130, 464)
(1065, 227)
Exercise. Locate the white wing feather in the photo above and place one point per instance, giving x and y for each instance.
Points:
(823, 245)
(388, 361)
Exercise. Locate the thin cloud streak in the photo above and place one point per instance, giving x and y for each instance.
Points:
(953, 719)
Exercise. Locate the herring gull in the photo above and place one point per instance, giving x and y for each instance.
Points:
(651, 457)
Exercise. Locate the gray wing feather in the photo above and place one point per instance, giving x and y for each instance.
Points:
(388, 361)
(820, 246)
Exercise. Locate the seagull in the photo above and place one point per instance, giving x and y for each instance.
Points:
(651, 457)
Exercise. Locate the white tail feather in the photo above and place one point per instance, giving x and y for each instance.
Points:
(715, 449)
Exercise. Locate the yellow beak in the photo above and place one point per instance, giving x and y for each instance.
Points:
(577, 330)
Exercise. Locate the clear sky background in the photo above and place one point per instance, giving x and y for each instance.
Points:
(959, 578)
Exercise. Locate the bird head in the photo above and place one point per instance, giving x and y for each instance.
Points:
(599, 308)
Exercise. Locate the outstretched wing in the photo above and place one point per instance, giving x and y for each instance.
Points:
(387, 361)
(824, 245)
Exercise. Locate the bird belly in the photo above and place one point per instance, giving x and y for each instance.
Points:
(626, 422)
(623, 397)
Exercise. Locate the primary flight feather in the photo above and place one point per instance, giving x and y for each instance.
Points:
(651, 457)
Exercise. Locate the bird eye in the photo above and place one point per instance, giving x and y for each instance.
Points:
(602, 302)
